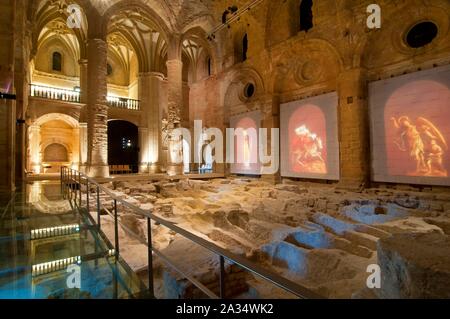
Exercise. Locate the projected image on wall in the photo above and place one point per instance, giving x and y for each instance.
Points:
(246, 144)
(309, 140)
(411, 141)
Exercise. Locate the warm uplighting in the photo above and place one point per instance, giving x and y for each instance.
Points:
(52, 266)
(53, 93)
(55, 231)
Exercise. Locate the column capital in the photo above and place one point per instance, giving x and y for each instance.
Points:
(174, 62)
(174, 47)
(151, 74)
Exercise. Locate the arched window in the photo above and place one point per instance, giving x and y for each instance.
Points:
(306, 15)
(57, 62)
(244, 47)
(109, 70)
(209, 66)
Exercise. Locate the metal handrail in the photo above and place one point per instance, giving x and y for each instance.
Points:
(5, 210)
(75, 177)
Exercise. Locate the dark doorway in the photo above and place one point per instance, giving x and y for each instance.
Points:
(123, 147)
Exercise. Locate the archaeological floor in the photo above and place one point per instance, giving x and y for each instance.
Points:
(317, 235)
(135, 138)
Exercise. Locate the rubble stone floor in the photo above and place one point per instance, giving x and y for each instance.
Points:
(314, 234)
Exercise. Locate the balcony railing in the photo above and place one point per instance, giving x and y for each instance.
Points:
(51, 93)
(123, 103)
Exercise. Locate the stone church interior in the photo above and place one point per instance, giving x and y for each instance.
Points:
(232, 149)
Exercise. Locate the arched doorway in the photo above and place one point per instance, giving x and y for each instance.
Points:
(53, 142)
(123, 147)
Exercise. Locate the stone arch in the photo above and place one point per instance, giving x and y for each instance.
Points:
(314, 62)
(119, 6)
(73, 122)
(234, 100)
(69, 56)
(198, 35)
(53, 128)
(45, 12)
(150, 46)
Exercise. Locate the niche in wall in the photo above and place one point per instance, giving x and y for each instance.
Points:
(246, 141)
(55, 153)
(410, 128)
(309, 138)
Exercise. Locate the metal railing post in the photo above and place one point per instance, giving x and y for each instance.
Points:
(116, 230)
(98, 208)
(87, 196)
(79, 186)
(222, 277)
(65, 183)
(70, 185)
(150, 258)
(61, 180)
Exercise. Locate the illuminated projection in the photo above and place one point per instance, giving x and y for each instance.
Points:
(246, 144)
(410, 128)
(309, 142)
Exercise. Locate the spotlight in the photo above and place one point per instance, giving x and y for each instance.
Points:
(224, 16)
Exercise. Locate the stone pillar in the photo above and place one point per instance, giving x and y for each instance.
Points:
(76, 148)
(22, 40)
(354, 129)
(175, 105)
(83, 80)
(7, 107)
(83, 147)
(34, 133)
(271, 119)
(150, 101)
(7, 142)
(144, 161)
(97, 109)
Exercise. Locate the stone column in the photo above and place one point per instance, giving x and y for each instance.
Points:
(144, 160)
(150, 101)
(83, 80)
(270, 120)
(76, 148)
(354, 129)
(34, 133)
(97, 109)
(7, 107)
(175, 105)
(83, 147)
